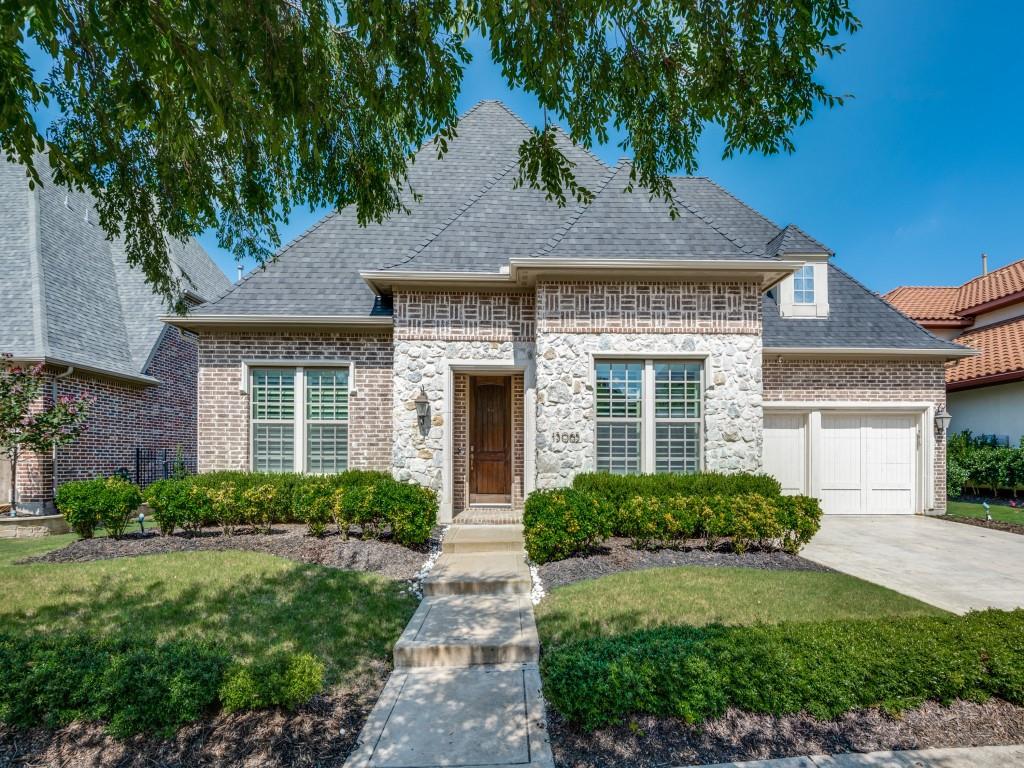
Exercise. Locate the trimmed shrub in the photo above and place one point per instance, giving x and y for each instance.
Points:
(225, 505)
(824, 669)
(281, 680)
(410, 510)
(314, 505)
(109, 502)
(259, 505)
(168, 500)
(355, 501)
(617, 489)
(562, 522)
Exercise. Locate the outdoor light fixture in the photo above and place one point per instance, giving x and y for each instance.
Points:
(142, 519)
(423, 411)
(942, 419)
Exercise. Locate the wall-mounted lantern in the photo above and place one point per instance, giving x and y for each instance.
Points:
(942, 419)
(423, 411)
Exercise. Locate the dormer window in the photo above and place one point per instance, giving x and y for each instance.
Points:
(803, 285)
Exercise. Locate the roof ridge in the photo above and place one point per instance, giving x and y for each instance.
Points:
(39, 324)
(719, 229)
(1007, 321)
(417, 249)
(727, 193)
(570, 222)
(556, 126)
(993, 272)
(813, 239)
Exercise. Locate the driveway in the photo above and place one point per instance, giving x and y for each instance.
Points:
(954, 566)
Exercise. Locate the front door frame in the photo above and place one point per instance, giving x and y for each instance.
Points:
(521, 361)
(474, 497)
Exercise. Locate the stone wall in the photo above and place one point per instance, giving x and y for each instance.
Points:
(565, 396)
(224, 408)
(863, 380)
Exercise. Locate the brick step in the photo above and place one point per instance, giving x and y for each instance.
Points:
(479, 573)
(465, 630)
(469, 539)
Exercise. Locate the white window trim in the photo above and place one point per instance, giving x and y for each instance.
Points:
(299, 423)
(648, 421)
(788, 307)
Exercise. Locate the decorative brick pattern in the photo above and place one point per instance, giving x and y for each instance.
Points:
(123, 417)
(649, 307)
(224, 408)
(464, 316)
(868, 380)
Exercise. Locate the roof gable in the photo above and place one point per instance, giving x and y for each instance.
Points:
(959, 303)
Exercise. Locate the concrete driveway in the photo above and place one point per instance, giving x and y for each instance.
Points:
(954, 566)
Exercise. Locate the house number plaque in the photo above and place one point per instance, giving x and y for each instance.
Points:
(566, 437)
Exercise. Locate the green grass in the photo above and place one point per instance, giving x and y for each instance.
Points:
(999, 512)
(250, 603)
(698, 596)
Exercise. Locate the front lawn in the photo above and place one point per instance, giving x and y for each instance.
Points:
(999, 512)
(249, 603)
(696, 596)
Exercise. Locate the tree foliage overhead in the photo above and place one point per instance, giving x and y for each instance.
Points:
(181, 115)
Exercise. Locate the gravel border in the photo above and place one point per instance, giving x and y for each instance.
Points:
(320, 733)
(996, 525)
(648, 742)
(617, 555)
(290, 541)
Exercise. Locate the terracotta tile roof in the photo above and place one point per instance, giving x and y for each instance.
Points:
(943, 303)
(998, 283)
(1002, 352)
(924, 303)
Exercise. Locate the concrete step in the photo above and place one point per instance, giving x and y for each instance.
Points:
(468, 539)
(479, 573)
(465, 630)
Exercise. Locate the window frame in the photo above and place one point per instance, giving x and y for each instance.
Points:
(300, 420)
(803, 276)
(648, 413)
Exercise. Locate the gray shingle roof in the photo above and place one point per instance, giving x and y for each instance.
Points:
(857, 318)
(472, 218)
(68, 293)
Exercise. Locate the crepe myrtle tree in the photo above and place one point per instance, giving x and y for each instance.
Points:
(27, 423)
(184, 115)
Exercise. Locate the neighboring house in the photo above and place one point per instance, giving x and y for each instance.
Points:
(70, 300)
(490, 343)
(985, 393)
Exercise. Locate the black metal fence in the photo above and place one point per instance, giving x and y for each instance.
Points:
(152, 464)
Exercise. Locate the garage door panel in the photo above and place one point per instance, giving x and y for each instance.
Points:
(841, 468)
(785, 451)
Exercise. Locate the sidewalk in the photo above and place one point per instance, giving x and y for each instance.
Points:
(466, 688)
(965, 757)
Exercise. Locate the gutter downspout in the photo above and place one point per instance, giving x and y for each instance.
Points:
(53, 394)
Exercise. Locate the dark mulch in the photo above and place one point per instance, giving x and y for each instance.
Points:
(617, 555)
(648, 741)
(997, 525)
(321, 733)
(291, 541)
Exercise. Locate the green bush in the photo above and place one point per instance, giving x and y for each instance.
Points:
(409, 510)
(978, 464)
(281, 680)
(558, 524)
(617, 489)
(259, 505)
(169, 500)
(824, 669)
(110, 502)
(561, 522)
(133, 687)
(314, 505)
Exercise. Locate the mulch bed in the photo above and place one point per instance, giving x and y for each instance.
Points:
(997, 525)
(290, 541)
(617, 555)
(648, 741)
(321, 733)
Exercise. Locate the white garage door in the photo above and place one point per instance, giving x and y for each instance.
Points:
(866, 463)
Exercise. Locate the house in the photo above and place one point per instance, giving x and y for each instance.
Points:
(985, 393)
(70, 300)
(490, 342)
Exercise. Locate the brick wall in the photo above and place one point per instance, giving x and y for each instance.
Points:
(464, 316)
(518, 439)
(649, 307)
(460, 442)
(123, 416)
(863, 380)
(224, 409)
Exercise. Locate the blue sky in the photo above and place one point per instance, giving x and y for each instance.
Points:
(909, 181)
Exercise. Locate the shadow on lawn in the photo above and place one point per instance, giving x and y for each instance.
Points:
(350, 620)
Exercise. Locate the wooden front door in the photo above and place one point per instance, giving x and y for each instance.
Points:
(490, 440)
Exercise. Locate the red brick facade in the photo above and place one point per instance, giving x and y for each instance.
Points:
(863, 380)
(224, 407)
(123, 416)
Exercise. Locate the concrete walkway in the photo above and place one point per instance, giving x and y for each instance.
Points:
(966, 757)
(466, 688)
(954, 566)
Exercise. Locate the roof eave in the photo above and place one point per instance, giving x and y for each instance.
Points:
(873, 352)
(199, 322)
(985, 381)
(993, 304)
(96, 370)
